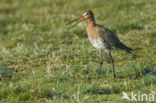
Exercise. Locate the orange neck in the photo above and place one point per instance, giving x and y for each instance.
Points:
(90, 21)
(91, 30)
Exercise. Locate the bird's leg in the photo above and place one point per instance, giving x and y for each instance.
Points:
(101, 62)
(112, 64)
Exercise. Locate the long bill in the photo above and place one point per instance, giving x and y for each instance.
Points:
(77, 21)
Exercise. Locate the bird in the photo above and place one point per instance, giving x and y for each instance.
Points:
(101, 38)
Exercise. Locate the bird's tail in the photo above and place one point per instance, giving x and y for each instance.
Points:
(125, 48)
(129, 50)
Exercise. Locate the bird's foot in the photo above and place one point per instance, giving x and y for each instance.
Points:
(115, 76)
(98, 77)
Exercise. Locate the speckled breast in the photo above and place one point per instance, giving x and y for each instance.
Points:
(98, 44)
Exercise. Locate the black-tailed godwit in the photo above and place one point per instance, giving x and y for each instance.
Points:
(101, 38)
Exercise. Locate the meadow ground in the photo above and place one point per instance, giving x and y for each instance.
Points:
(42, 61)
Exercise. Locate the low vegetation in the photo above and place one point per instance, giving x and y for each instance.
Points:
(42, 61)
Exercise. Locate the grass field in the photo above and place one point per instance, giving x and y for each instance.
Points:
(42, 61)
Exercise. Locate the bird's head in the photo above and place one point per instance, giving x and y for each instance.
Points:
(88, 14)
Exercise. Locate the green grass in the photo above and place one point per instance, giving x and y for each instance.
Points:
(49, 63)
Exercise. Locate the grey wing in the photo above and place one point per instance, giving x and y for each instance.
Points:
(112, 40)
(105, 38)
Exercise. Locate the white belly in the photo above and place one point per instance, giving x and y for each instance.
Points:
(98, 44)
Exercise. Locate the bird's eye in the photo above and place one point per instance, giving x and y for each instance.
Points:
(87, 13)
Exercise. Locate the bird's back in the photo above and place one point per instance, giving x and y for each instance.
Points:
(111, 40)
